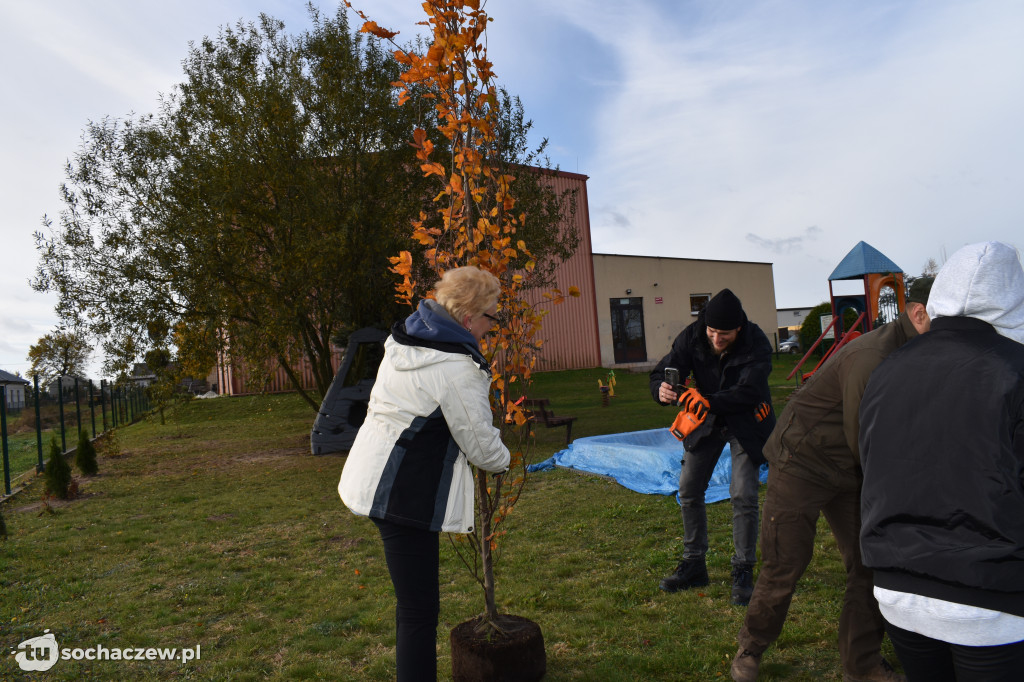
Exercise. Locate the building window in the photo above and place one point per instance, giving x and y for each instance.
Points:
(697, 302)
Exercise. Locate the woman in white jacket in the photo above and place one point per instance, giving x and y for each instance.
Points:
(428, 419)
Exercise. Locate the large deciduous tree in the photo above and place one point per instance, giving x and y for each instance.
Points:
(60, 353)
(255, 209)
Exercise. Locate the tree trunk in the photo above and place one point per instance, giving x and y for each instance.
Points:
(486, 559)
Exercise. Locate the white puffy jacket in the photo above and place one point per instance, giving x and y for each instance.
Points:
(428, 414)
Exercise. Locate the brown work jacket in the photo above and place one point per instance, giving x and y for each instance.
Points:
(816, 434)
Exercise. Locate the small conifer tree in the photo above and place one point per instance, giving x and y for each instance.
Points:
(58, 472)
(85, 456)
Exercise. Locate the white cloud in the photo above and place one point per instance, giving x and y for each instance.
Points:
(893, 123)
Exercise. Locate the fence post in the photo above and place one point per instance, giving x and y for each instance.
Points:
(78, 411)
(3, 437)
(103, 403)
(60, 401)
(39, 427)
(92, 408)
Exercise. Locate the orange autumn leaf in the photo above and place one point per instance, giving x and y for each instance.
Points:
(372, 27)
(402, 263)
(432, 168)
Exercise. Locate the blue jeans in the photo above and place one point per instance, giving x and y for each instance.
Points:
(698, 466)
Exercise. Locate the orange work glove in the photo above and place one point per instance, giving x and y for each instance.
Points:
(684, 424)
(694, 412)
(762, 412)
(692, 401)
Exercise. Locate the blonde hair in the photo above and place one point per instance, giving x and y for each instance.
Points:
(467, 291)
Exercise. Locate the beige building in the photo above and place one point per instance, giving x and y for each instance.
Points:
(643, 302)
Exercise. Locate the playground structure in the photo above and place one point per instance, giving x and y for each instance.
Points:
(607, 390)
(884, 298)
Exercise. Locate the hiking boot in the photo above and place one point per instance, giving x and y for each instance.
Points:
(742, 584)
(689, 573)
(745, 665)
(882, 673)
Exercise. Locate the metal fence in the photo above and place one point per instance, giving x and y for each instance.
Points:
(68, 407)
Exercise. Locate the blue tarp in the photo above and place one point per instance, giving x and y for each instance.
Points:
(643, 461)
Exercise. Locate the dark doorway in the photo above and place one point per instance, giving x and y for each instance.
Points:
(628, 330)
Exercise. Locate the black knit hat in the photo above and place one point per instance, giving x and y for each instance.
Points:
(919, 290)
(724, 311)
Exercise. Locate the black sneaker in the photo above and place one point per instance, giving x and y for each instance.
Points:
(742, 584)
(689, 573)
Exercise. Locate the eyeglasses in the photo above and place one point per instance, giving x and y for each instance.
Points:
(490, 317)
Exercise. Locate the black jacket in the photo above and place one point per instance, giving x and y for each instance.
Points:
(942, 447)
(734, 384)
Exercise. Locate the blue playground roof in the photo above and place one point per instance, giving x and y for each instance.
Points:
(863, 259)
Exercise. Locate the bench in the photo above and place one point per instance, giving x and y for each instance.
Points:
(541, 408)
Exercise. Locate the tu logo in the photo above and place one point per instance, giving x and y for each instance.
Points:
(39, 653)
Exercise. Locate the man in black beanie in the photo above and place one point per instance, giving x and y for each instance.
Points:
(730, 358)
(815, 464)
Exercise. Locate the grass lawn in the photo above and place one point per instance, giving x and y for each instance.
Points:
(219, 529)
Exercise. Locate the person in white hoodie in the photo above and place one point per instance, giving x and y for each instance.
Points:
(942, 450)
(429, 418)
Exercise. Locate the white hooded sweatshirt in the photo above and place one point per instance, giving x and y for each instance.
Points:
(984, 281)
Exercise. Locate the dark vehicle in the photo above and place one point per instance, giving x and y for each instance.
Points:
(344, 407)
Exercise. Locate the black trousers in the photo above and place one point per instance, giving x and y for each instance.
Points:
(412, 557)
(931, 660)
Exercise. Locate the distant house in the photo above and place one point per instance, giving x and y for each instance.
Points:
(142, 375)
(67, 382)
(14, 387)
(790, 321)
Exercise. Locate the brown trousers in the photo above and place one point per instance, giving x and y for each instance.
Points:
(788, 523)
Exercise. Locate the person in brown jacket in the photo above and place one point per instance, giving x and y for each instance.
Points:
(814, 468)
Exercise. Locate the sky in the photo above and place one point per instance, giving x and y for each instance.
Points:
(782, 131)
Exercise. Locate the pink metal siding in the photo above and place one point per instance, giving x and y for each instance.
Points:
(232, 376)
(569, 330)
